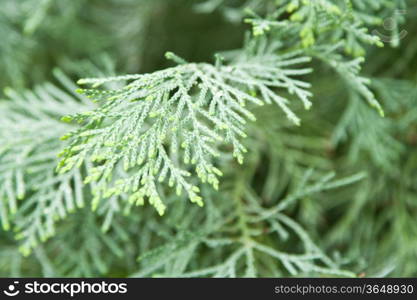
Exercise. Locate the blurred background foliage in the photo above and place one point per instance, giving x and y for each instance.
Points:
(336, 196)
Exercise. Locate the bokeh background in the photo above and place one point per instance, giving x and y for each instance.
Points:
(366, 224)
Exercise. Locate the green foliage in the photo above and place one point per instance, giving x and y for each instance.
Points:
(291, 124)
(31, 129)
(185, 113)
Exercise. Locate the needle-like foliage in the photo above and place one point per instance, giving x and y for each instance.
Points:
(161, 122)
(291, 124)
